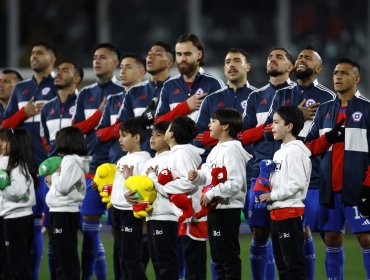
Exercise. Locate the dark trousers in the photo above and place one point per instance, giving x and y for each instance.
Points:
(4, 265)
(127, 231)
(162, 238)
(195, 258)
(287, 242)
(223, 233)
(18, 234)
(64, 227)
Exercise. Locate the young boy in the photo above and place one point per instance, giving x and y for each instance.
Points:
(289, 184)
(162, 221)
(128, 229)
(184, 157)
(224, 220)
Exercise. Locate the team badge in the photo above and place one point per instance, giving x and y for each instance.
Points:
(72, 110)
(45, 91)
(357, 116)
(310, 102)
(243, 104)
(199, 91)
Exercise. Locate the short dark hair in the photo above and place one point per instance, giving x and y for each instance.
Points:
(184, 129)
(161, 127)
(231, 117)
(167, 47)
(70, 140)
(287, 53)
(138, 58)
(310, 47)
(351, 62)
(47, 45)
(241, 51)
(292, 114)
(78, 69)
(110, 47)
(134, 126)
(12, 71)
(196, 42)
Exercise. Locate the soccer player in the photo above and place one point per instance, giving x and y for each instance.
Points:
(89, 107)
(183, 94)
(8, 79)
(344, 168)
(279, 67)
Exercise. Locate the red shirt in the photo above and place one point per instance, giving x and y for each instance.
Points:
(338, 158)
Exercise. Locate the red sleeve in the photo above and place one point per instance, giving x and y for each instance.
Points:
(318, 146)
(45, 144)
(252, 135)
(90, 123)
(206, 139)
(107, 133)
(367, 178)
(181, 109)
(15, 120)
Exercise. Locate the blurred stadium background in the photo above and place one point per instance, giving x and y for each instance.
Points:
(336, 28)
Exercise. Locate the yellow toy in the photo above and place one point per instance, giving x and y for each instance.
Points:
(104, 178)
(145, 194)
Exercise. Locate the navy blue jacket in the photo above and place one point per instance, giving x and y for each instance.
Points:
(22, 93)
(88, 101)
(356, 147)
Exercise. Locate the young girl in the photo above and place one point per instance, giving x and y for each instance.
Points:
(17, 201)
(67, 190)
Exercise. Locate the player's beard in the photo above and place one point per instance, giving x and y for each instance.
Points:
(303, 74)
(274, 73)
(187, 68)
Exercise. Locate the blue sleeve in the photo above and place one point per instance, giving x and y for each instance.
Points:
(127, 110)
(163, 106)
(274, 106)
(44, 130)
(12, 106)
(250, 114)
(204, 116)
(79, 115)
(105, 119)
(314, 131)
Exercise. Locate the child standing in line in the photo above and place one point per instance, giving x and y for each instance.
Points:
(184, 157)
(67, 190)
(127, 229)
(224, 220)
(289, 185)
(162, 221)
(17, 201)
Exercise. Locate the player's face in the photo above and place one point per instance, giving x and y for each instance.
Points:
(187, 57)
(126, 141)
(104, 62)
(215, 129)
(308, 63)
(157, 142)
(157, 60)
(7, 83)
(345, 78)
(131, 72)
(278, 63)
(279, 128)
(236, 67)
(41, 59)
(64, 76)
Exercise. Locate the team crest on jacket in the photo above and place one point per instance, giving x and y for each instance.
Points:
(72, 110)
(310, 102)
(199, 91)
(243, 104)
(45, 91)
(357, 116)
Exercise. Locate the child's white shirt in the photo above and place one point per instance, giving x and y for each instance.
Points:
(233, 156)
(68, 187)
(162, 207)
(19, 197)
(136, 160)
(290, 180)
